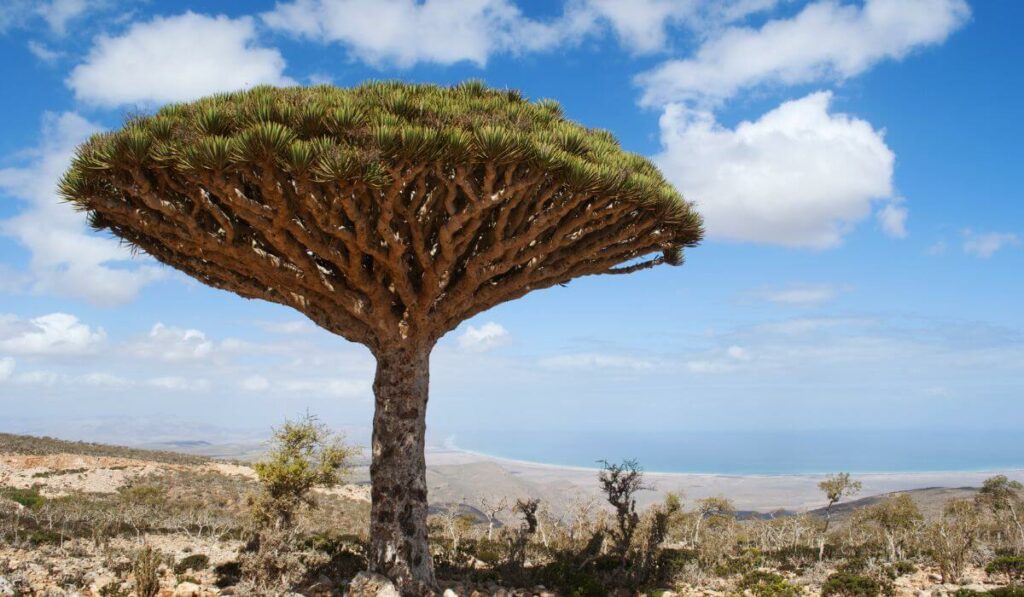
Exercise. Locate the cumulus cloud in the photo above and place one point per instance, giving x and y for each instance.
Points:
(176, 58)
(6, 368)
(800, 176)
(593, 360)
(484, 338)
(719, 361)
(987, 244)
(53, 334)
(826, 40)
(66, 259)
(893, 220)
(406, 32)
(173, 344)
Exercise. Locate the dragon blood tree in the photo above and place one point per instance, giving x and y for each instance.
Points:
(387, 213)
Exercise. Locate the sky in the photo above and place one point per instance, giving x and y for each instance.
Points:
(856, 163)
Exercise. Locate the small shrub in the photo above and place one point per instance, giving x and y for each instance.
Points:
(1012, 567)
(767, 584)
(847, 584)
(192, 563)
(904, 568)
(145, 569)
(571, 581)
(228, 574)
(29, 498)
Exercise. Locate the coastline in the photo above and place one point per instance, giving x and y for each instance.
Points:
(761, 492)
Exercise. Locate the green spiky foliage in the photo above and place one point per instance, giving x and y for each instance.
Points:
(365, 208)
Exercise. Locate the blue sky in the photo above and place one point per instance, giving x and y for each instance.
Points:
(854, 161)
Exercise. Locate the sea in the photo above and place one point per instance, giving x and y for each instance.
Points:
(759, 452)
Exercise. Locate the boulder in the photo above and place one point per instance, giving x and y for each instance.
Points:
(6, 588)
(188, 589)
(369, 584)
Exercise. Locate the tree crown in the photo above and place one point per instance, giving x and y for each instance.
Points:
(384, 211)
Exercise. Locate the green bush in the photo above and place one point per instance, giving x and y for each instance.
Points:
(571, 581)
(848, 584)
(1012, 567)
(767, 584)
(228, 574)
(194, 562)
(904, 568)
(29, 498)
(671, 562)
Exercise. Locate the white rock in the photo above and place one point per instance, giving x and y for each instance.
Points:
(6, 588)
(188, 589)
(450, 593)
(368, 584)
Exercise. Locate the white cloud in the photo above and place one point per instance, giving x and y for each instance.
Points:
(642, 26)
(297, 326)
(255, 383)
(406, 32)
(53, 334)
(179, 384)
(826, 40)
(799, 176)
(37, 378)
(40, 51)
(331, 387)
(593, 360)
(719, 361)
(6, 368)
(66, 258)
(986, 244)
(176, 58)
(800, 295)
(893, 220)
(173, 344)
(106, 380)
(56, 13)
(487, 337)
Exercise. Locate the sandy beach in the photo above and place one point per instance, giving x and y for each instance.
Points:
(763, 493)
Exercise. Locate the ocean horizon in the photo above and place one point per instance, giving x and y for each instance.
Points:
(758, 452)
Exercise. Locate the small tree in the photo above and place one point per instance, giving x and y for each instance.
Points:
(897, 516)
(953, 537)
(835, 488)
(710, 507)
(620, 482)
(1004, 498)
(491, 507)
(304, 454)
(388, 214)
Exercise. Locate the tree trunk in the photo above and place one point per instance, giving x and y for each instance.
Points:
(398, 515)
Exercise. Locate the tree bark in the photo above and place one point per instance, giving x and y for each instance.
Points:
(398, 515)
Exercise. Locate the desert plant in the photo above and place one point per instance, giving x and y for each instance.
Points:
(835, 488)
(1005, 498)
(849, 584)
(1011, 567)
(761, 583)
(146, 571)
(388, 214)
(896, 516)
(953, 537)
(303, 455)
(192, 563)
(620, 482)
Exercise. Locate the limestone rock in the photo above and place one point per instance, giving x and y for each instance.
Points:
(369, 584)
(188, 589)
(6, 588)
